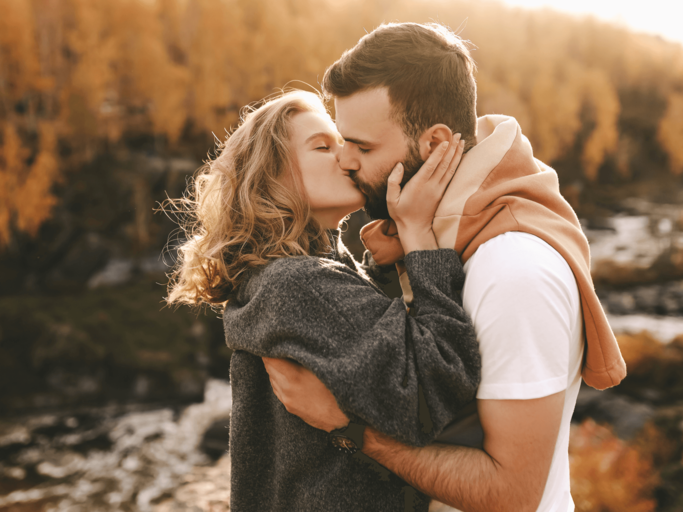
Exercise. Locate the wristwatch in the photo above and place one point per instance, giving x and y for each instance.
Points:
(348, 439)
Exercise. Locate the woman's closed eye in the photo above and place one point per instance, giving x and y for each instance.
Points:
(323, 147)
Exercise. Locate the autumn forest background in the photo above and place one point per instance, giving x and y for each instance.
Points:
(107, 108)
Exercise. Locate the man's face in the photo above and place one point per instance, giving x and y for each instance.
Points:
(374, 144)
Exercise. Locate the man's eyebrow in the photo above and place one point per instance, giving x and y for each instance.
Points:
(358, 142)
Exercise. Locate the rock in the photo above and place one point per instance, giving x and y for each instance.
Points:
(183, 165)
(61, 465)
(203, 489)
(120, 271)
(646, 299)
(154, 265)
(35, 494)
(619, 303)
(66, 382)
(30, 457)
(117, 271)
(85, 257)
(14, 434)
(625, 414)
(16, 473)
(134, 429)
(659, 299)
(216, 439)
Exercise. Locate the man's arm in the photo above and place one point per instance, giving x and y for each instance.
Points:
(508, 475)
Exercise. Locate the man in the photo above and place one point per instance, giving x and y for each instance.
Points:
(404, 89)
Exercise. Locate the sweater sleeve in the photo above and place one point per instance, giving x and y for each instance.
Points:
(406, 375)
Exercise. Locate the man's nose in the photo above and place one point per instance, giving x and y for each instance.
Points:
(346, 160)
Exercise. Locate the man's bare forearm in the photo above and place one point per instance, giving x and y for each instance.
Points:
(462, 477)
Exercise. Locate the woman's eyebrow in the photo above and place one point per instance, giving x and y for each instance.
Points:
(321, 134)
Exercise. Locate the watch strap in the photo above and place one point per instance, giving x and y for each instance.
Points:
(353, 432)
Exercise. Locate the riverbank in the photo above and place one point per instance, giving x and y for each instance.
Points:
(112, 402)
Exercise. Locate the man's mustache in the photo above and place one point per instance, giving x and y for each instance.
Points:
(361, 185)
(364, 187)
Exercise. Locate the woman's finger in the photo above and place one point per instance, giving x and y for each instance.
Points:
(394, 184)
(443, 167)
(429, 167)
(455, 162)
(443, 164)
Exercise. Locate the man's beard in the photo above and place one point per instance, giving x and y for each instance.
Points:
(376, 193)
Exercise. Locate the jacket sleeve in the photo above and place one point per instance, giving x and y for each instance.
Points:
(407, 375)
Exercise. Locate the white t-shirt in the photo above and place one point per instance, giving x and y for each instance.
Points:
(526, 310)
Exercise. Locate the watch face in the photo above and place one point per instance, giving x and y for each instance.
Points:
(344, 443)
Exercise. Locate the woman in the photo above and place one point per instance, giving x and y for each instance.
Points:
(264, 244)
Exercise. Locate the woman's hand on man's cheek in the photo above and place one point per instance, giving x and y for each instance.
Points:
(304, 395)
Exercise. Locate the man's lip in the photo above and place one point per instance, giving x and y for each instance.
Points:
(358, 185)
(355, 184)
(359, 189)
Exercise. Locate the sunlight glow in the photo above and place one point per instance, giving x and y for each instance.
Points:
(658, 17)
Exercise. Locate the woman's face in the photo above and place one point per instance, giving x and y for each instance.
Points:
(317, 145)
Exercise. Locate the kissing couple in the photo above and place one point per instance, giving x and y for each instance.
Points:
(461, 391)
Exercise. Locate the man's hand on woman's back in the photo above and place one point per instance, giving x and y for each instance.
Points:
(303, 395)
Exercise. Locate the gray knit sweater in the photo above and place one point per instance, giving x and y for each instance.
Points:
(407, 375)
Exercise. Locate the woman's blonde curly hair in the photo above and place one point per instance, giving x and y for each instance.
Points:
(246, 207)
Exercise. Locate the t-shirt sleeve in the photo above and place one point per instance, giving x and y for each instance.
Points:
(524, 303)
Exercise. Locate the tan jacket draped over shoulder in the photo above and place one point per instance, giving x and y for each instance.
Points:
(500, 187)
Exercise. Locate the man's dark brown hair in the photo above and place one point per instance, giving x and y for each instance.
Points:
(427, 69)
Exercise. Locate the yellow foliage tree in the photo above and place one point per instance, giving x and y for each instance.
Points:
(98, 73)
(217, 52)
(25, 192)
(148, 77)
(88, 99)
(19, 67)
(12, 165)
(670, 132)
(604, 105)
(33, 198)
(555, 118)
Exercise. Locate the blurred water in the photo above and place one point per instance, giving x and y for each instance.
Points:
(106, 459)
(662, 328)
(637, 263)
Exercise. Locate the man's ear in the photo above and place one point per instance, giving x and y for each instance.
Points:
(432, 137)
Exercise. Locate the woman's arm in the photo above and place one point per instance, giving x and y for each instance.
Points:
(406, 375)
